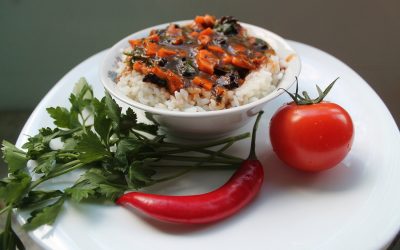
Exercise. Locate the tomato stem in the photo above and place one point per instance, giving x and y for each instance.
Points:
(252, 155)
(306, 99)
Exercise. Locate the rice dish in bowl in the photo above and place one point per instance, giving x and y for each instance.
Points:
(200, 88)
(256, 77)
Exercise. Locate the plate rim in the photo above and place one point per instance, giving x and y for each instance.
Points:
(57, 86)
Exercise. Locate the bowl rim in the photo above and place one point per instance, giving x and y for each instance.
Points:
(108, 84)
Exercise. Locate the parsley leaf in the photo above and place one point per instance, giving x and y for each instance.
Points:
(14, 157)
(91, 149)
(64, 118)
(140, 176)
(36, 197)
(105, 185)
(46, 215)
(110, 192)
(101, 124)
(39, 144)
(81, 97)
(46, 163)
(148, 128)
(80, 191)
(112, 110)
(14, 187)
(128, 121)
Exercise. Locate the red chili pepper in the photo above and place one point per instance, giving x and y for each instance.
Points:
(240, 189)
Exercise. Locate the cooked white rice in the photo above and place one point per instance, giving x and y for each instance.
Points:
(257, 84)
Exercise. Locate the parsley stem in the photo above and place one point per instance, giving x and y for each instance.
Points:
(83, 122)
(5, 209)
(209, 166)
(188, 149)
(59, 168)
(211, 157)
(175, 175)
(177, 151)
(67, 155)
(209, 144)
(55, 174)
(201, 148)
(197, 159)
(139, 135)
(64, 171)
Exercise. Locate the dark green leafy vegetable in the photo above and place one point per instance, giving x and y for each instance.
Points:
(114, 152)
(228, 25)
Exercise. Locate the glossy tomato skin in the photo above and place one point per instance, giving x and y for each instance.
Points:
(311, 137)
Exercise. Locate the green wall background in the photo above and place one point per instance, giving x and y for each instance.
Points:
(41, 40)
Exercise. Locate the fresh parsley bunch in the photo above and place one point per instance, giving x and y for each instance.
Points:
(112, 150)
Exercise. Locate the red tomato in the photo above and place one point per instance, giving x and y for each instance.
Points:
(311, 137)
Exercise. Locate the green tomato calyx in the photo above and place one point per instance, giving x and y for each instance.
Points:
(305, 98)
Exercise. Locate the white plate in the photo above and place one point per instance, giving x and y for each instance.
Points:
(353, 206)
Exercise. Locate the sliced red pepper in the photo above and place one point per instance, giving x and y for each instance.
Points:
(209, 20)
(151, 49)
(178, 40)
(227, 59)
(259, 60)
(141, 68)
(163, 52)
(194, 34)
(207, 32)
(202, 82)
(205, 21)
(204, 39)
(159, 72)
(135, 42)
(199, 20)
(153, 38)
(206, 61)
(238, 48)
(175, 83)
(174, 30)
(215, 48)
(243, 62)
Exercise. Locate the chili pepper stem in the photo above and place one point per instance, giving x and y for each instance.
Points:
(252, 154)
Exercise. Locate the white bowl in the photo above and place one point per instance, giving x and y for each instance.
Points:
(210, 123)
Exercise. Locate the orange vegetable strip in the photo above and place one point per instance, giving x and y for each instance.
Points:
(215, 48)
(242, 62)
(206, 61)
(199, 20)
(135, 42)
(209, 20)
(163, 52)
(204, 83)
(207, 32)
(204, 39)
(227, 59)
(151, 49)
(159, 72)
(175, 83)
